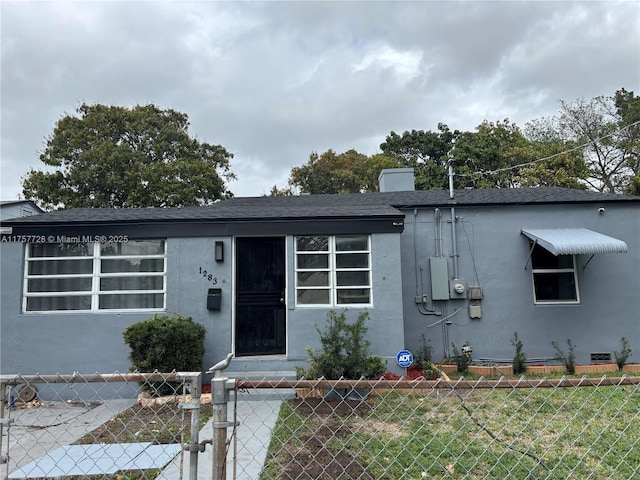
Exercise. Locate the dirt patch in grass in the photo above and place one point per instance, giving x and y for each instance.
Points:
(313, 457)
(158, 424)
(320, 406)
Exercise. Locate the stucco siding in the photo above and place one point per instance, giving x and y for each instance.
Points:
(492, 254)
(490, 251)
(385, 328)
(68, 342)
(187, 287)
(50, 343)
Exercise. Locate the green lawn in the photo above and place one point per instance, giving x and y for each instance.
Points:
(524, 433)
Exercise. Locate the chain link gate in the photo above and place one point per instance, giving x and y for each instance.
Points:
(93, 425)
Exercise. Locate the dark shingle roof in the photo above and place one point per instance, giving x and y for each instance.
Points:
(384, 204)
(435, 198)
(261, 209)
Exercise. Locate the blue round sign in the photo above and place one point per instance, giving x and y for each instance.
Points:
(404, 358)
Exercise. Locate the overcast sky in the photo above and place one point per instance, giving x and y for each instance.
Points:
(273, 82)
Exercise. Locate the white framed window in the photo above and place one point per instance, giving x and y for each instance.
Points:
(555, 279)
(93, 276)
(333, 270)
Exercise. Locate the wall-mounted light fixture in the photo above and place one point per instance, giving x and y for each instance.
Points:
(219, 252)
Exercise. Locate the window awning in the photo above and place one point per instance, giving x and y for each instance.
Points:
(574, 241)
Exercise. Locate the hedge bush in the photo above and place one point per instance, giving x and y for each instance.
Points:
(165, 344)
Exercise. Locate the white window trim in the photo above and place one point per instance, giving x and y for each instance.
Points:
(330, 275)
(333, 271)
(95, 276)
(573, 270)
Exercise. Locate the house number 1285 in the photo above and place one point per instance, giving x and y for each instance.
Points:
(208, 276)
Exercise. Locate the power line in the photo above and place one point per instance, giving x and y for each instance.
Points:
(544, 159)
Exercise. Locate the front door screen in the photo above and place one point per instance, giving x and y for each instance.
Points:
(260, 304)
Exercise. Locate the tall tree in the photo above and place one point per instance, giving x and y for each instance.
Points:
(489, 157)
(110, 156)
(628, 112)
(427, 152)
(330, 172)
(557, 162)
(597, 124)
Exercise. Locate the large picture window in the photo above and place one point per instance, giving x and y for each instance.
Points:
(333, 270)
(554, 277)
(95, 276)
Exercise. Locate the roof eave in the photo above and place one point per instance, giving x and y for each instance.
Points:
(206, 227)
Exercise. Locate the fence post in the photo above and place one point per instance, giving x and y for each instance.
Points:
(194, 383)
(219, 401)
(7, 383)
(4, 392)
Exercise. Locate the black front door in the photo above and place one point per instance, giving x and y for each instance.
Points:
(260, 305)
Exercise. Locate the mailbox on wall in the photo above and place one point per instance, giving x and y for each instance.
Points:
(214, 299)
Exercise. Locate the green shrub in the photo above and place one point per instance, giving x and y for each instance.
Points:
(165, 344)
(520, 358)
(344, 352)
(568, 359)
(623, 355)
(423, 357)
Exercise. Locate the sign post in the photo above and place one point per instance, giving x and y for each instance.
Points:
(404, 359)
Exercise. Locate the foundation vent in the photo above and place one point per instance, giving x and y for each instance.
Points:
(600, 357)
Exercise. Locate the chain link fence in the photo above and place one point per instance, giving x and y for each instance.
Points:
(504, 429)
(96, 427)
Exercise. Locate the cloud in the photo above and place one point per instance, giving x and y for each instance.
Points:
(274, 81)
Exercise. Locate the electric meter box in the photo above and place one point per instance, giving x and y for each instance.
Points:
(458, 288)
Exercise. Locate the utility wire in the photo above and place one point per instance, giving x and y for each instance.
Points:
(579, 147)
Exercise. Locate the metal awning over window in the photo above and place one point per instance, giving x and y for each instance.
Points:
(574, 241)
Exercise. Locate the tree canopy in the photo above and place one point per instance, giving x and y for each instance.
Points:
(501, 155)
(427, 152)
(330, 172)
(590, 144)
(488, 157)
(628, 112)
(111, 156)
(555, 160)
(491, 156)
(604, 127)
(590, 123)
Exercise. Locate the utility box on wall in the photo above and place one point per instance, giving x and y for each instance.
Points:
(439, 278)
(458, 288)
(214, 299)
(475, 311)
(475, 293)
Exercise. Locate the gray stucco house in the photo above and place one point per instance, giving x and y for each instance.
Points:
(260, 273)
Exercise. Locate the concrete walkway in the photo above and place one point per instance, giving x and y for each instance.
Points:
(37, 431)
(41, 441)
(257, 415)
(101, 459)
